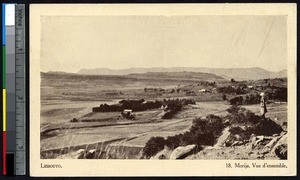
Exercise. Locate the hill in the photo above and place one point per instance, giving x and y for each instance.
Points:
(157, 78)
(227, 73)
(197, 76)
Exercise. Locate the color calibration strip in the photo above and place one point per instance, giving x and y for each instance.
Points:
(9, 128)
(4, 89)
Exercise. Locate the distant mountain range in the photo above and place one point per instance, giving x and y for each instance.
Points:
(183, 75)
(227, 73)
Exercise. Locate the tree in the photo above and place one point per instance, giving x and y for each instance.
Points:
(236, 101)
(232, 80)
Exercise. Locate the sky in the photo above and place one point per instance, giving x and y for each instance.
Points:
(69, 43)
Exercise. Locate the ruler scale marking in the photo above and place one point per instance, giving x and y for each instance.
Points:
(20, 98)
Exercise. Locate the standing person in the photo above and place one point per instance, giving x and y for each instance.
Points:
(263, 106)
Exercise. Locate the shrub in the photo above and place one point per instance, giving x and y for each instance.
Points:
(236, 130)
(74, 120)
(173, 142)
(252, 124)
(232, 90)
(153, 146)
(206, 131)
(244, 134)
(203, 132)
(280, 94)
(168, 115)
(267, 127)
(236, 100)
(252, 99)
(172, 109)
(234, 109)
(241, 116)
(227, 90)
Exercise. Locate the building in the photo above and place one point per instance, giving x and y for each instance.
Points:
(127, 111)
(164, 107)
(202, 90)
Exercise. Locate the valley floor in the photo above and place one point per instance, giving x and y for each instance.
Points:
(107, 130)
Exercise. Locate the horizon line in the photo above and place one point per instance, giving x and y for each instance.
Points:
(163, 68)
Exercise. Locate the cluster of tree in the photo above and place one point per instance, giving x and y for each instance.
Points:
(249, 99)
(278, 93)
(252, 99)
(135, 105)
(171, 110)
(174, 106)
(203, 132)
(188, 92)
(187, 101)
(153, 89)
(205, 83)
(237, 100)
(241, 116)
(142, 105)
(232, 90)
(182, 102)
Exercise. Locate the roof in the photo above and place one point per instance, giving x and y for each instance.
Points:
(127, 110)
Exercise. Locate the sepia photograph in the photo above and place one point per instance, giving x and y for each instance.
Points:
(164, 87)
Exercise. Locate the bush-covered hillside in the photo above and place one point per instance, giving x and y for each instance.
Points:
(205, 131)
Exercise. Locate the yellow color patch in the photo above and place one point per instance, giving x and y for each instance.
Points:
(4, 109)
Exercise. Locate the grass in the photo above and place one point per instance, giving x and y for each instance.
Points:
(103, 150)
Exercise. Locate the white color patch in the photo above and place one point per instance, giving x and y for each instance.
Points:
(9, 14)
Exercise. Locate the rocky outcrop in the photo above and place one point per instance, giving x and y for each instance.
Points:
(270, 145)
(182, 151)
(164, 154)
(91, 154)
(280, 149)
(222, 139)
